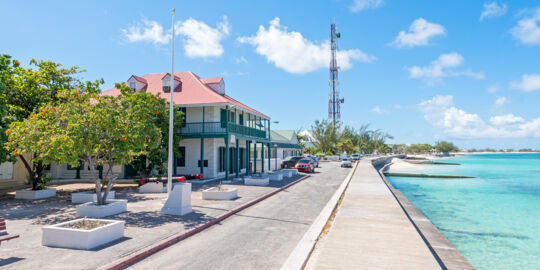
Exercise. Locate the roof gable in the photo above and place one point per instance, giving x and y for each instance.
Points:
(194, 91)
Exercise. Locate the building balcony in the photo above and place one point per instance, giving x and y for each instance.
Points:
(220, 129)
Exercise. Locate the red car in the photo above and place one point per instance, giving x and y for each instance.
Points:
(305, 165)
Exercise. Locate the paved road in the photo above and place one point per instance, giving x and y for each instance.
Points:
(260, 237)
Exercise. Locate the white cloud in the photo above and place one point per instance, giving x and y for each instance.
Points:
(452, 122)
(492, 10)
(528, 83)
(507, 119)
(442, 67)
(241, 59)
(359, 5)
(500, 101)
(419, 34)
(294, 53)
(527, 30)
(200, 40)
(494, 88)
(378, 110)
(151, 31)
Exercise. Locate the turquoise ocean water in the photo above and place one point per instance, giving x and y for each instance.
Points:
(493, 220)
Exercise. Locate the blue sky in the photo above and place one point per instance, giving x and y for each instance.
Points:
(420, 70)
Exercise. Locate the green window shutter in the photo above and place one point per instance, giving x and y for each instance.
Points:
(223, 118)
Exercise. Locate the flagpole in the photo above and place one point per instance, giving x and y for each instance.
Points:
(171, 115)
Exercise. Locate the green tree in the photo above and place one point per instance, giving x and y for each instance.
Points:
(326, 136)
(27, 90)
(151, 163)
(6, 72)
(446, 147)
(98, 129)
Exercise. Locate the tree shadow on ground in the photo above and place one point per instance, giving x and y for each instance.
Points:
(151, 219)
(10, 260)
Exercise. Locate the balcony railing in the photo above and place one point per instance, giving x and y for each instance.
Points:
(220, 128)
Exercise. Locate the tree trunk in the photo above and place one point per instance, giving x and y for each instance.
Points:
(30, 171)
(111, 181)
(98, 181)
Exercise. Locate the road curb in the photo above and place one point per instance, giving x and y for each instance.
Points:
(171, 240)
(301, 253)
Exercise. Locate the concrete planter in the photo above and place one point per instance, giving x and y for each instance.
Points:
(91, 209)
(286, 173)
(292, 171)
(27, 194)
(179, 201)
(89, 196)
(223, 194)
(152, 187)
(59, 236)
(256, 181)
(276, 176)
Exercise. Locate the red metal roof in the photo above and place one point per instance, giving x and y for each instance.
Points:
(215, 80)
(194, 91)
(139, 79)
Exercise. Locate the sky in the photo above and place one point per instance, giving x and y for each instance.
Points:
(423, 71)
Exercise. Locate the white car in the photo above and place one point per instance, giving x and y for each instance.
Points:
(346, 162)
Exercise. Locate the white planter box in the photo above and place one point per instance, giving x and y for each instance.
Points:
(276, 177)
(59, 236)
(89, 196)
(27, 194)
(250, 181)
(179, 201)
(223, 194)
(152, 187)
(286, 173)
(292, 171)
(91, 209)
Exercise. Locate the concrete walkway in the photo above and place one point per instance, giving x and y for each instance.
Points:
(371, 231)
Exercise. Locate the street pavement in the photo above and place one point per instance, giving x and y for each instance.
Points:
(260, 237)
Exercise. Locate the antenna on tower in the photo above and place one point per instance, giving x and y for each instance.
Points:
(334, 101)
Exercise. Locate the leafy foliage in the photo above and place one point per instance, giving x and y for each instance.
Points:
(26, 91)
(151, 163)
(98, 129)
(446, 147)
(330, 139)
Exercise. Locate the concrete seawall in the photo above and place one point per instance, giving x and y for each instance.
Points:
(443, 251)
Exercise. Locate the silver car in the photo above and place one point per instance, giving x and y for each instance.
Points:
(346, 162)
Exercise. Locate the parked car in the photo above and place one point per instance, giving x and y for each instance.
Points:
(305, 165)
(290, 162)
(315, 160)
(356, 157)
(346, 162)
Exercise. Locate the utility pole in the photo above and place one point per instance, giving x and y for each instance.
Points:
(171, 116)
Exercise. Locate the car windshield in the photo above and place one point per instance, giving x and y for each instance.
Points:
(346, 159)
(303, 161)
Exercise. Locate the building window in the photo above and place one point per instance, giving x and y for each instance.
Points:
(181, 160)
(241, 119)
(205, 163)
(133, 85)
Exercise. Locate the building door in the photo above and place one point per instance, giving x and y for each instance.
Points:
(232, 159)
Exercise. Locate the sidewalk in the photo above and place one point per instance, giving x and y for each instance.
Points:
(145, 225)
(371, 231)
